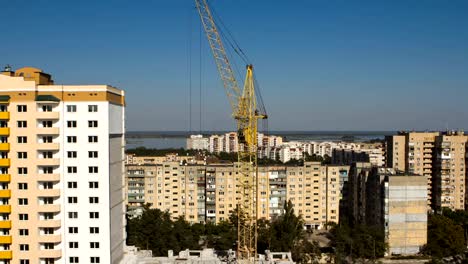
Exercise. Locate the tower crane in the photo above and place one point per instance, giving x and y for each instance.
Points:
(247, 111)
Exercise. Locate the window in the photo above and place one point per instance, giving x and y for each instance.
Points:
(73, 215)
(22, 186)
(48, 231)
(71, 154)
(73, 230)
(48, 185)
(24, 261)
(47, 139)
(22, 124)
(92, 139)
(23, 201)
(92, 154)
(72, 199)
(22, 170)
(23, 217)
(94, 244)
(48, 245)
(47, 108)
(72, 169)
(72, 185)
(73, 244)
(92, 108)
(47, 170)
(24, 247)
(22, 140)
(48, 200)
(22, 155)
(94, 200)
(71, 123)
(93, 169)
(93, 185)
(24, 232)
(71, 139)
(71, 108)
(74, 260)
(95, 260)
(93, 215)
(92, 123)
(47, 123)
(48, 216)
(47, 154)
(94, 230)
(22, 108)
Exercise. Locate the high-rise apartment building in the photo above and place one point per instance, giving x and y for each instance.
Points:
(209, 193)
(394, 202)
(62, 170)
(415, 151)
(449, 172)
(441, 157)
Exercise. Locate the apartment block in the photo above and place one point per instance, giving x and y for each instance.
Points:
(209, 193)
(440, 156)
(449, 172)
(62, 170)
(393, 201)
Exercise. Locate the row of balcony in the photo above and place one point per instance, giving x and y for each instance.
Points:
(5, 131)
(39, 115)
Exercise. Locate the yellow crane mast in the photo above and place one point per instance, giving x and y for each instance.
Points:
(245, 112)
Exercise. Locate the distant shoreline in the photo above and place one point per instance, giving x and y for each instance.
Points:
(287, 134)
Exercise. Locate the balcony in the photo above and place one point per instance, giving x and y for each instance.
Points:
(5, 239)
(6, 254)
(48, 131)
(48, 193)
(5, 115)
(48, 146)
(4, 146)
(6, 224)
(48, 177)
(5, 177)
(48, 115)
(50, 239)
(4, 131)
(48, 162)
(5, 209)
(4, 162)
(49, 208)
(5, 193)
(50, 253)
(49, 223)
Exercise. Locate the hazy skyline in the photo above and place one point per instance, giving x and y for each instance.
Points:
(322, 65)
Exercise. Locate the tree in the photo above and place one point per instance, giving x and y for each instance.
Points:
(359, 242)
(154, 230)
(286, 230)
(444, 237)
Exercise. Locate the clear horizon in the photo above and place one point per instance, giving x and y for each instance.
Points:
(322, 65)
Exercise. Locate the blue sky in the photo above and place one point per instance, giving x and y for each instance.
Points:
(322, 65)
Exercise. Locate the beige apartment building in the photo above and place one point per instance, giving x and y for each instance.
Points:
(393, 201)
(209, 193)
(61, 170)
(449, 172)
(440, 156)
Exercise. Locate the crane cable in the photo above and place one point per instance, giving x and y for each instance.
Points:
(222, 28)
(189, 65)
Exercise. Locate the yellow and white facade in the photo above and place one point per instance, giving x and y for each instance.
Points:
(61, 170)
